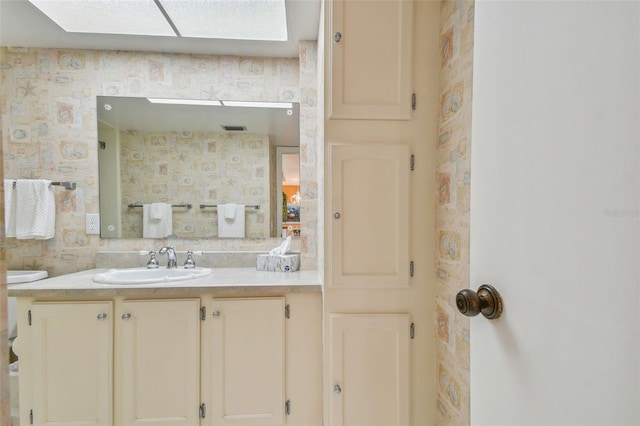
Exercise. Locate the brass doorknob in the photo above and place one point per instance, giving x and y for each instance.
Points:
(486, 301)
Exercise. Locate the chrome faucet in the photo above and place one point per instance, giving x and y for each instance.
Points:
(172, 260)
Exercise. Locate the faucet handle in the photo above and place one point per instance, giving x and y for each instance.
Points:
(152, 263)
(189, 263)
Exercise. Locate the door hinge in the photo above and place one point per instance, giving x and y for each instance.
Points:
(287, 311)
(412, 268)
(29, 316)
(203, 313)
(412, 162)
(287, 407)
(413, 101)
(203, 411)
(30, 417)
(412, 330)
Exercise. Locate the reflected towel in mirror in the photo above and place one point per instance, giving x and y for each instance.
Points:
(157, 220)
(231, 227)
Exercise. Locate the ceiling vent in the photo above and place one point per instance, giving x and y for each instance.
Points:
(234, 128)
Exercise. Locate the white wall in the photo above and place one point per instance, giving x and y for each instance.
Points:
(555, 212)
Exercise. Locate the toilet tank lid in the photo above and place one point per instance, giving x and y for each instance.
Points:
(17, 277)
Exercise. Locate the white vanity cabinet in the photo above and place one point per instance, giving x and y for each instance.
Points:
(369, 223)
(67, 358)
(369, 48)
(243, 365)
(157, 362)
(380, 127)
(369, 369)
(199, 360)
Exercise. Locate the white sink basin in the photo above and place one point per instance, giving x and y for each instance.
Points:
(15, 277)
(148, 276)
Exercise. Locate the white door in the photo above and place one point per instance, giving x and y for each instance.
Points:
(554, 213)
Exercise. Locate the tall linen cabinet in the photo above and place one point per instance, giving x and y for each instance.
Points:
(381, 96)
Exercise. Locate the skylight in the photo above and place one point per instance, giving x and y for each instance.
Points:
(139, 17)
(219, 19)
(229, 19)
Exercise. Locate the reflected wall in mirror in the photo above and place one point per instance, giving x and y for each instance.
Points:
(189, 154)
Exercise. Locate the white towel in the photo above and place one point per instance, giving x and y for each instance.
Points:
(231, 228)
(157, 228)
(230, 211)
(157, 211)
(9, 208)
(35, 209)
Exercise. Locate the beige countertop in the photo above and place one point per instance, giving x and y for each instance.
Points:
(223, 281)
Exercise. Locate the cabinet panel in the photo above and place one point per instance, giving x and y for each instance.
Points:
(243, 362)
(72, 359)
(369, 215)
(370, 59)
(158, 362)
(369, 363)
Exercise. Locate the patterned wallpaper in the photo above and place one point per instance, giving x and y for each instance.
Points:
(196, 168)
(452, 214)
(48, 101)
(5, 391)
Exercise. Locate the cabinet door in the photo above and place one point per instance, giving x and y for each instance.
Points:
(369, 45)
(72, 359)
(369, 363)
(157, 362)
(369, 216)
(243, 362)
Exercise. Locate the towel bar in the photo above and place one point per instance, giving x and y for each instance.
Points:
(254, 206)
(66, 184)
(188, 206)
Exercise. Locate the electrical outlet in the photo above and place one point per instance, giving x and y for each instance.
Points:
(92, 223)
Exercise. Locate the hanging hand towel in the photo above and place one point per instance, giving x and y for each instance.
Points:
(231, 228)
(35, 209)
(9, 208)
(157, 220)
(157, 211)
(230, 211)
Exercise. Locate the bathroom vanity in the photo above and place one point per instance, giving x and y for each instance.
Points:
(239, 346)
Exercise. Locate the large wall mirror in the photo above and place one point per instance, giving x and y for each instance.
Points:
(200, 157)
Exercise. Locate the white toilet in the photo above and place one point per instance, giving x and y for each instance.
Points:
(17, 278)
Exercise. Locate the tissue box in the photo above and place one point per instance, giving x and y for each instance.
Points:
(278, 263)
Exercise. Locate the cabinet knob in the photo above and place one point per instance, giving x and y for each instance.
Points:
(126, 316)
(337, 37)
(336, 215)
(216, 314)
(101, 316)
(337, 389)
